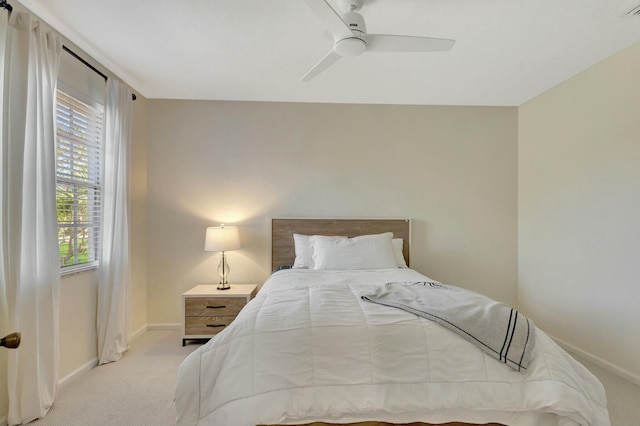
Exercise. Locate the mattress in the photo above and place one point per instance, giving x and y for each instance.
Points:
(308, 349)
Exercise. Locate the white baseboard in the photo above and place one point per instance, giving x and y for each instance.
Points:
(138, 332)
(606, 365)
(69, 378)
(152, 327)
(169, 326)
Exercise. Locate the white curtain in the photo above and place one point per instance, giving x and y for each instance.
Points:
(30, 271)
(4, 318)
(113, 278)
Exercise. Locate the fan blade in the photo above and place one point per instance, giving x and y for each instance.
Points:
(397, 43)
(324, 63)
(330, 18)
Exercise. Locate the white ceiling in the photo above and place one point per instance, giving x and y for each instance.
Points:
(507, 51)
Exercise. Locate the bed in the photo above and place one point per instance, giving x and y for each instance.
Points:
(308, 349)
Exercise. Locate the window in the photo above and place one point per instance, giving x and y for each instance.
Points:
(78, 181)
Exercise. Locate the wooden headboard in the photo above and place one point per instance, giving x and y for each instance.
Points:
(282, 230)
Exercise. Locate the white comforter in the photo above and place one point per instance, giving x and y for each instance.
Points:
(307, 348)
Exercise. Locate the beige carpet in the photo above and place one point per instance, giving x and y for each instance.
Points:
(138, 390)
(623, 397)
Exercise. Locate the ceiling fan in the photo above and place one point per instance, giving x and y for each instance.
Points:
(351, 38)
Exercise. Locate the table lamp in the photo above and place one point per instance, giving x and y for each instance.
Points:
(222, 238)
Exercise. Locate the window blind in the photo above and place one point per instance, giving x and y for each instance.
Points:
(79, 129)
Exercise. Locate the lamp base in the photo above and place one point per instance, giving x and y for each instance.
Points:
(223, 271)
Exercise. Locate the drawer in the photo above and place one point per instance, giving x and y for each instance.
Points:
(206, 325)
(213, 306)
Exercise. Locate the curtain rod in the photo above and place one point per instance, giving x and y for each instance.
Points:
(91, 67)
(75, 55)
(5, 5)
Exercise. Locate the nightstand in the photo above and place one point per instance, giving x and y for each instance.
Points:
(206, 311)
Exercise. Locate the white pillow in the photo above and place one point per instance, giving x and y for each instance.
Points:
(397, 251)
(363, 252)
(304, 250)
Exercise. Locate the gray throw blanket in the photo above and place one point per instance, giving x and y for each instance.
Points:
(499, 330)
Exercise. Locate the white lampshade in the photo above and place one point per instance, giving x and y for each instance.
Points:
(221, 238)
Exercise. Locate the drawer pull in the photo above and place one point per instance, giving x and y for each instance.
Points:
(215, 325)
(216, 306)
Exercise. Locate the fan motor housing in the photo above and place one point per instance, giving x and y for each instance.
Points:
(355, 22)
(352, 46)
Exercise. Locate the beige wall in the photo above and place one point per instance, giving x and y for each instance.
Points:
(77, 329)
(579, 210)
(550, 188)
(78, 296)
(78, 292)
(450, 169)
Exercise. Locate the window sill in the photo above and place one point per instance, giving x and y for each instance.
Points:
(76, 269)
